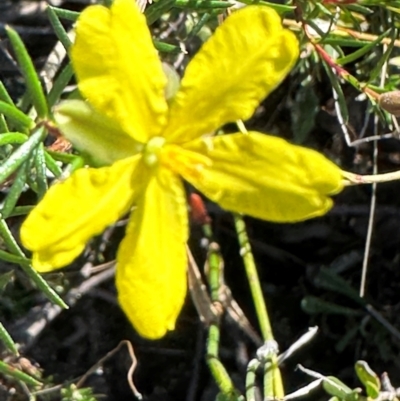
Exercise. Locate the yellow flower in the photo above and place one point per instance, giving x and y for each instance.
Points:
(144, 146)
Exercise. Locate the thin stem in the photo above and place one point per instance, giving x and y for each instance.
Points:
(217, 369)
(273, 386)
(251, 378)
(357, 179)
(252, 276)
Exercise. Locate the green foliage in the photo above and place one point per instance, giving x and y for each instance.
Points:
(72, 393)
(368, 378)
(341, 392)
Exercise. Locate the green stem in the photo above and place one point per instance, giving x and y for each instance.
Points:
(214, 273)
(273, 386)
(251, 378)
(252, 276)
(217, 369)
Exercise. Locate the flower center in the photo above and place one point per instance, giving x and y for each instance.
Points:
(152, 150)
(184, 162)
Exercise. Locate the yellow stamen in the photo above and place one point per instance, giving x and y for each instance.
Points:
(182, 161)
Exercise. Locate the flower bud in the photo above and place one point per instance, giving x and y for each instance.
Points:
(390, 101)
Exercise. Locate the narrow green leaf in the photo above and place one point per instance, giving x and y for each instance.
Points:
(76, 164)
(166, 47)
(3, 124)
(368, 378)
(16, 138)
(61, 33)
(18, 375)
(20, 155)
(4, 95)
(7, 340)
(338, 41)
(358, 8)
(66, 14)
(63, 157)
(33, 84)
(202, 21)
(354, 81)
(361, 52)
(20, 119)
(20, 211)
(5, 278)
(352, 19)
(377, 70)
(9, 257)
(40, 165)
(202, 4)
(52, 165)
(313, 305)
(157, 9)
(59, 84)
(303, 112)
(336, 85)
(9, 240)
(279, 8)
(14, 192)
(395, 10)
(323, 10)
(337, 388)
(31, 178)
(329, 280)
(42, 285)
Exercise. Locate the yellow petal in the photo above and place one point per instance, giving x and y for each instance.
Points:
(118, 68)
(96, 137)
(75, 210)
(151, 261)
(263, 176)
(245, 59)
